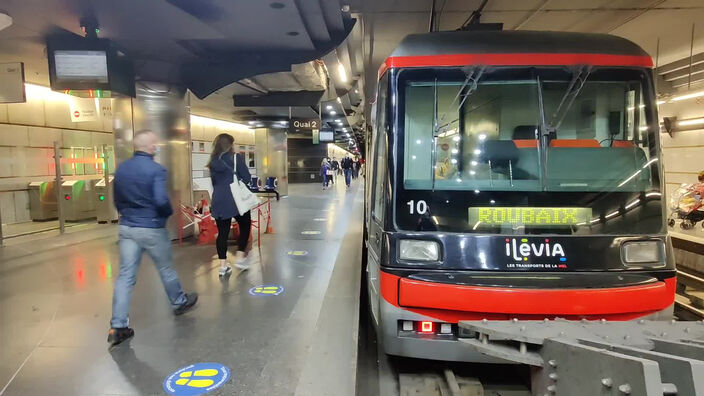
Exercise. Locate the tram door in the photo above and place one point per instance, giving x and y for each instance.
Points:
(377, 202)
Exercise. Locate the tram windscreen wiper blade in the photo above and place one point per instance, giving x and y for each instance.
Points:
(579, 78)
(473, 75)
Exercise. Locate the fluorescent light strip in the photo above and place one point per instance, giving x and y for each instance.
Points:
(653, 194)
(696, 121)
(688, 96)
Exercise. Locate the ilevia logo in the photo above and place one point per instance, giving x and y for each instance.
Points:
(524, 250)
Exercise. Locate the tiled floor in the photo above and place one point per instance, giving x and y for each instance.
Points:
(55, 305)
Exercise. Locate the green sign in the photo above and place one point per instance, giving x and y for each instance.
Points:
(316, 136)
(545, 217)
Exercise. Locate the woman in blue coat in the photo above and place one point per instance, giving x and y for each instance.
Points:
(223, 208)
(324, 172)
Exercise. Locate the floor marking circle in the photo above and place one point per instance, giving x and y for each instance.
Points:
(297, 252)
(196, 379)
(266, 290)
(310, 232)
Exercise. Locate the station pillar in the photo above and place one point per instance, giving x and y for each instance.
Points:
(165, 110)
(271, 148)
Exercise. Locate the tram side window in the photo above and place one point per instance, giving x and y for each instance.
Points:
(380, 146)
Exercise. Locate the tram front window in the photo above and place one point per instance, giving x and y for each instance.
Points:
(530, 137)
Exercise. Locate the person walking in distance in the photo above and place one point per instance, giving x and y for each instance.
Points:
(224, 166)
(335, 168)
(144, 206)
(324, 166)
(347, 168)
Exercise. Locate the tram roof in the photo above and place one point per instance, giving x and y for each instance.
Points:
(458, 48)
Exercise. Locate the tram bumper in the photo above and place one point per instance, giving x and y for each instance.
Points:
(409, 300)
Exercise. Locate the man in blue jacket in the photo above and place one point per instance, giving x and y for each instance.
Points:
(143, 204)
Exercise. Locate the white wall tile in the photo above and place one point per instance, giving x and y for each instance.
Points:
(13, 135)
(29, 113)
(6, 161)
(7, 207)
(72, 138)
(3, 113)
(686, 159)
(58, 114)
(21, 199)
(43, 137)
(684, 138)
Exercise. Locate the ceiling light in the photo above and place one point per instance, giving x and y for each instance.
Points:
(695, 121)
(328, 107)
(337, 120)
(252, 122)
(356, 91)
(333, 112)
(339, 100)
(341, 72)
(688, 96)
(482, 136)
(659, 102)
(5, 21)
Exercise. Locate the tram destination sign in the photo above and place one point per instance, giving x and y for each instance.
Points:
(305, 124)
(517, 216)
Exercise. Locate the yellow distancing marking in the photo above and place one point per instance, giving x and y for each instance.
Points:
(197, 383)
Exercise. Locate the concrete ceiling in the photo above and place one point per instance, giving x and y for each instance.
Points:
(386, 22)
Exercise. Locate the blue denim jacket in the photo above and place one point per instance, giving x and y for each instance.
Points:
(140, 192)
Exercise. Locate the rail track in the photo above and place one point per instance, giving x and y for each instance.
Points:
(689, 300)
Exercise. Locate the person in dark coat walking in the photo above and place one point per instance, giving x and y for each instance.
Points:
(347, 168)
(143, 204)
(223, 170)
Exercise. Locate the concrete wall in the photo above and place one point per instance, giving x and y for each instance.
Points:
(203, 132)
(27, 133)
(683, 153)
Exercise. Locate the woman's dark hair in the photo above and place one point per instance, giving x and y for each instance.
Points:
(222, 144)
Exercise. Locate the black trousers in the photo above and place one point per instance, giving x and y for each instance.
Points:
(245, 223)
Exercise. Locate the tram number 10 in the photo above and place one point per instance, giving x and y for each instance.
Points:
(421, 207)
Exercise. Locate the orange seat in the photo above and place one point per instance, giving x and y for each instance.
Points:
(525, 143)
(574, 143)
(622, 143)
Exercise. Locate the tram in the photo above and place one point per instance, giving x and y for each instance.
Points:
(513, 174)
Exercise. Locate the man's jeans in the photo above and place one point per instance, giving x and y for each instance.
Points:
(133, 242)
(348, 175)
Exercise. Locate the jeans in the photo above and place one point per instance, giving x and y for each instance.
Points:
(133, 241)
(348, 175)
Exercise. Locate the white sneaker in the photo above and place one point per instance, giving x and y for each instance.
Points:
(241, 261)
(224, 271)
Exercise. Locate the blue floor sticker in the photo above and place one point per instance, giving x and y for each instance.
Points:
(266, 290)
(196, 379)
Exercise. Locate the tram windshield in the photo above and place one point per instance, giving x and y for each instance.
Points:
(549, 134)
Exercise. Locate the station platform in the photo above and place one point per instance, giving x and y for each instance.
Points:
(55, 307)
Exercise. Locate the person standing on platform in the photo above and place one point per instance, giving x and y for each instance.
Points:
(144, 206)
(347, 168)
(225, 165)
(335, 168)
(330, 172)
(324, 173)
(357, 166)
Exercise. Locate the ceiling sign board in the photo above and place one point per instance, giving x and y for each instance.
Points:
(12, 83)
(305, 124)
(82, 109)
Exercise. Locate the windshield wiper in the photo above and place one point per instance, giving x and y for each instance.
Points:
(579, 78)
(468, 87)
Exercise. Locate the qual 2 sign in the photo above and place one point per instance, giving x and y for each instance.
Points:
(196, 379)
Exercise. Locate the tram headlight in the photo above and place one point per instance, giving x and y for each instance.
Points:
(417, 250)
(648, 253)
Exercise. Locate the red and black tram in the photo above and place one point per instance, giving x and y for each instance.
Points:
(513, 174)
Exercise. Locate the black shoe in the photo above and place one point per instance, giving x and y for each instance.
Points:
(117, 335)
(191, 299)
